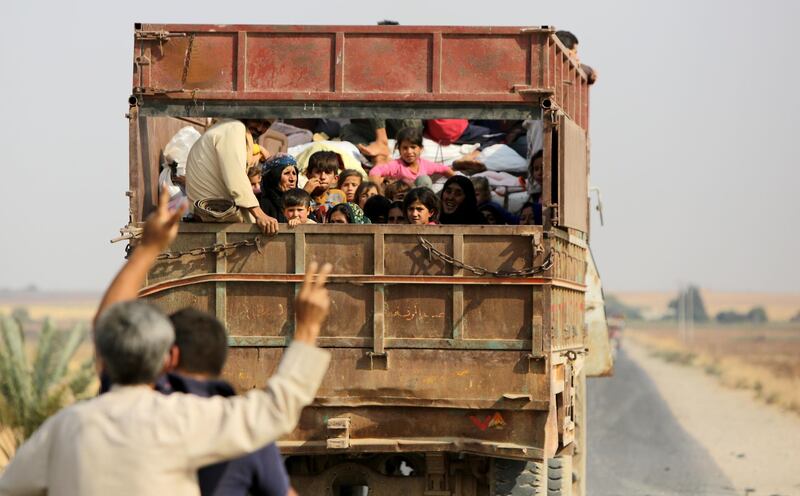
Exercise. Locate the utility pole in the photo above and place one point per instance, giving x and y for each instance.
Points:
(681, 313)
(690, 328)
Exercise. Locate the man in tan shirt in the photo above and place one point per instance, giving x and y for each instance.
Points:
(217, 169)
(134, 440)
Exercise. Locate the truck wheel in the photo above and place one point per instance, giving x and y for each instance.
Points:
(519, 478)
(559, 477)
(579, 456)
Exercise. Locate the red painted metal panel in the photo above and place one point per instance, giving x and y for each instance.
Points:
(290, 62)
(393, 64)
(485, 63)
(387, 63)
(209, 65)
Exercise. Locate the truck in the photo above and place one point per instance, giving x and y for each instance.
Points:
(459, 353)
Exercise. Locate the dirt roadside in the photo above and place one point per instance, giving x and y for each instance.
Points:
(754, 444)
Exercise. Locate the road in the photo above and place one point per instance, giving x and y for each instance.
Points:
(637, 447)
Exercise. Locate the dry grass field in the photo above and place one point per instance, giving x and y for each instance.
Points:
(63, 308)
(779, 306)
(761, 358)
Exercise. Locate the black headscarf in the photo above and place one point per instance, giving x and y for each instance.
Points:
(467, 212)
(271, 200)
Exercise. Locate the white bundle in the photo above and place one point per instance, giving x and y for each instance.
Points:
(177, 149)
(503, 158)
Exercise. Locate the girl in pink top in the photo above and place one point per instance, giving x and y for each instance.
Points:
(410, 165)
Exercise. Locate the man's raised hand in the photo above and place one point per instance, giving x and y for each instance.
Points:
(161, 227)
(312, 303)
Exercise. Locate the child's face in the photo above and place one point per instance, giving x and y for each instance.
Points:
(482, 196)
(489, 217)
(452, 198)
(339, 217)
(399, 195)
(326, 180)
(409, 152)
(288, 179)
(255, 183)
(350, 185)
(418, 213)
(297, 212)
(366, 195)
(395, 216)
(526, 216)
(537, 169)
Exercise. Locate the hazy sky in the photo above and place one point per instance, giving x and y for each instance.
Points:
(693, 127)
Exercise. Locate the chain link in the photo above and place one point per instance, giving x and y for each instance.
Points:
(187, 58)
(424, 243)
(481, 271)
(215, 248)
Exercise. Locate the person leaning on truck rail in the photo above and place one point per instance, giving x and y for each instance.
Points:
(134, 440)
(216, 175)
(569, 40)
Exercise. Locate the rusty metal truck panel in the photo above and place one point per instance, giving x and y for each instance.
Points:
(195, 64)
(455, 343)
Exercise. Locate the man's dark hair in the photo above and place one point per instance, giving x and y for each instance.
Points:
(296, 197)
(377, 209)
(387, 22)
(567, 38)
(201, 340)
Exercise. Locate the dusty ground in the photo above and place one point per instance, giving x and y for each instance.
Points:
(762, 358)
(755, 445)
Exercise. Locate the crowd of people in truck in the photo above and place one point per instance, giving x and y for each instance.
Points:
(440, 171)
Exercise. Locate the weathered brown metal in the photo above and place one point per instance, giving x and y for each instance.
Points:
(573, 169)
(445, 64)
(440, 343)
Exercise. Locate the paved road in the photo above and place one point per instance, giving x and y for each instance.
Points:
(637, 447)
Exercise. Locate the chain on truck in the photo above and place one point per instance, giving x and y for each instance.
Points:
(459, 353)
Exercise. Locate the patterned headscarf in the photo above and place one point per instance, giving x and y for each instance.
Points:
(281, 160)
(353, 212)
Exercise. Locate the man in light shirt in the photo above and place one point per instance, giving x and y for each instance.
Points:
(134, 440)
(216, 169)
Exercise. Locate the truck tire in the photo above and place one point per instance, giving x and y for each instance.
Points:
(559, 477)
(579, 454)
(519, 478)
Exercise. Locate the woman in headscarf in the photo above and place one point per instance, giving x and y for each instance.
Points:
(280, 175)
(347, 213)
(459, 205)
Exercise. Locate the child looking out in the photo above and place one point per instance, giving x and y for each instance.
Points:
(349, 181)
(396, 214)
(364, 192)
(396, 191)
(322, 172)
(410, 165)
(296, 207)
(347, 213)
(421, 206)
(254, 175)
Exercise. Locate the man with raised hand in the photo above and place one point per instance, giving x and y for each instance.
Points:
(134, 440)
